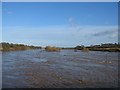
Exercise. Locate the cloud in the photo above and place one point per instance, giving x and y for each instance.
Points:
(60, 35)
(70, 19)
(104, 33)
(110, 33)
(74, 23)
(9, 12)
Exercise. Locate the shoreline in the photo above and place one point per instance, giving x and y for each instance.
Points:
(103, 50)
(110, 47)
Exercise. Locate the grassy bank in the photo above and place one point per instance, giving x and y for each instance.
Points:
(12, 47)
(103, 47)
(52, 49)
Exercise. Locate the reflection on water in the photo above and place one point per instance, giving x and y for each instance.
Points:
(36, 69)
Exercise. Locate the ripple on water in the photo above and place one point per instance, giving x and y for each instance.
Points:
(59, 69)
(39, 59)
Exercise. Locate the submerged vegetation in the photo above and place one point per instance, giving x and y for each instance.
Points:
(12, 47)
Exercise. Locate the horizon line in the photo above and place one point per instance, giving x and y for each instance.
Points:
(60, 46)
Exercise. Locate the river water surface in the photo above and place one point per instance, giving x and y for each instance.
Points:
(65, 69)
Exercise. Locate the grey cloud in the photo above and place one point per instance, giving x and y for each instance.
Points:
(105, 33)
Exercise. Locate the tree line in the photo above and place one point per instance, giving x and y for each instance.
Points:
(11, 47)
(103, 47)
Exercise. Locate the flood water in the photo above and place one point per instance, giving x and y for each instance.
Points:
(65, 69)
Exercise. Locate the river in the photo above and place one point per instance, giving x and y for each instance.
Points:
(65, 69)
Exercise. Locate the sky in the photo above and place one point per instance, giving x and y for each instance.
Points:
(62, 24)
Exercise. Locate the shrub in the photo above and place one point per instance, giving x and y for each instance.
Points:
(52, 49)
(85, 49)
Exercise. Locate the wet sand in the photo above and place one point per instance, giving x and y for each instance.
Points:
(65, 69)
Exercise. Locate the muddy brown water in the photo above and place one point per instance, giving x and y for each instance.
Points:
(65, 69)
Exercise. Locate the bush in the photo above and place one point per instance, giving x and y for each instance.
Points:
(52, 49)
(85, 49)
